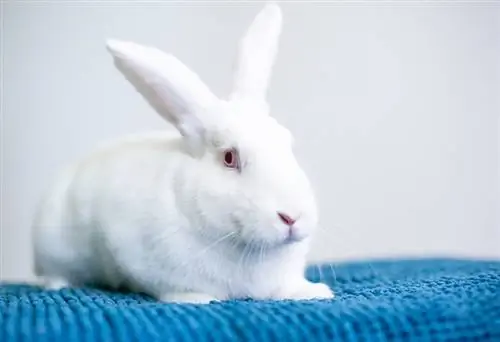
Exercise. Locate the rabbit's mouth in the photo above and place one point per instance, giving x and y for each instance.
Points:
(247, 237)
(291, 239)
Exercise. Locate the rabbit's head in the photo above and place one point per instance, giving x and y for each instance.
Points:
(243, 176)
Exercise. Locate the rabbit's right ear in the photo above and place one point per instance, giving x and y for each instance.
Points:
(176, 92)
(256, 55)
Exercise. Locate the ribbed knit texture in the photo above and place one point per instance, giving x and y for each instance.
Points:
(405, 300)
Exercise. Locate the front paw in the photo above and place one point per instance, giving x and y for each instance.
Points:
(312, 291)
(187, 297)
(55, 283)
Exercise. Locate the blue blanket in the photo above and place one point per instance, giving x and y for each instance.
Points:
(405, 300)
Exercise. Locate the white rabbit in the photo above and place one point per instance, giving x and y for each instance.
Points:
(221, 211)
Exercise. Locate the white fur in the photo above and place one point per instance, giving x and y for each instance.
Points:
(161, 214)
(256, 55)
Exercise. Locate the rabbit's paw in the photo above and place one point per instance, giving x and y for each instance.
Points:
(55, 283)
(310, 290)
(187, 297)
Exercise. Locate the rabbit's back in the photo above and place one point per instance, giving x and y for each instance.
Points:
(96, 205)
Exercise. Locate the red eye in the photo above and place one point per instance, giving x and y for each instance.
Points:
(231, 159)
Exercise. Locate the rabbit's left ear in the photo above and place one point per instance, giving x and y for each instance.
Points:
(256, 55)
(169, 86)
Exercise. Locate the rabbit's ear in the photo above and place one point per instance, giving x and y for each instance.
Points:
(256, 55)
(170, 87)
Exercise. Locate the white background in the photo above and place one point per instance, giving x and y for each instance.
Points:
(394, 109)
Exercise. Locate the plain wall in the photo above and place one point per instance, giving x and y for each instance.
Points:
(394, 109)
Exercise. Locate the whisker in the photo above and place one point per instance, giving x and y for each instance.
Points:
(261, 254)
(215, 243)
(249, 253)
(333, 273)
(240, 260)
(320, 271)
(155, 239)
(347, 236)
(205, 250)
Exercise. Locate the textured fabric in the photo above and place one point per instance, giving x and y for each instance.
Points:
(419, 300)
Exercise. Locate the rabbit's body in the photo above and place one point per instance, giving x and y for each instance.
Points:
(92, 213)
(96, 199)
(221, 211)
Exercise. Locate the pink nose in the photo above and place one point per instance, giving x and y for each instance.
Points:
(286, 219)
